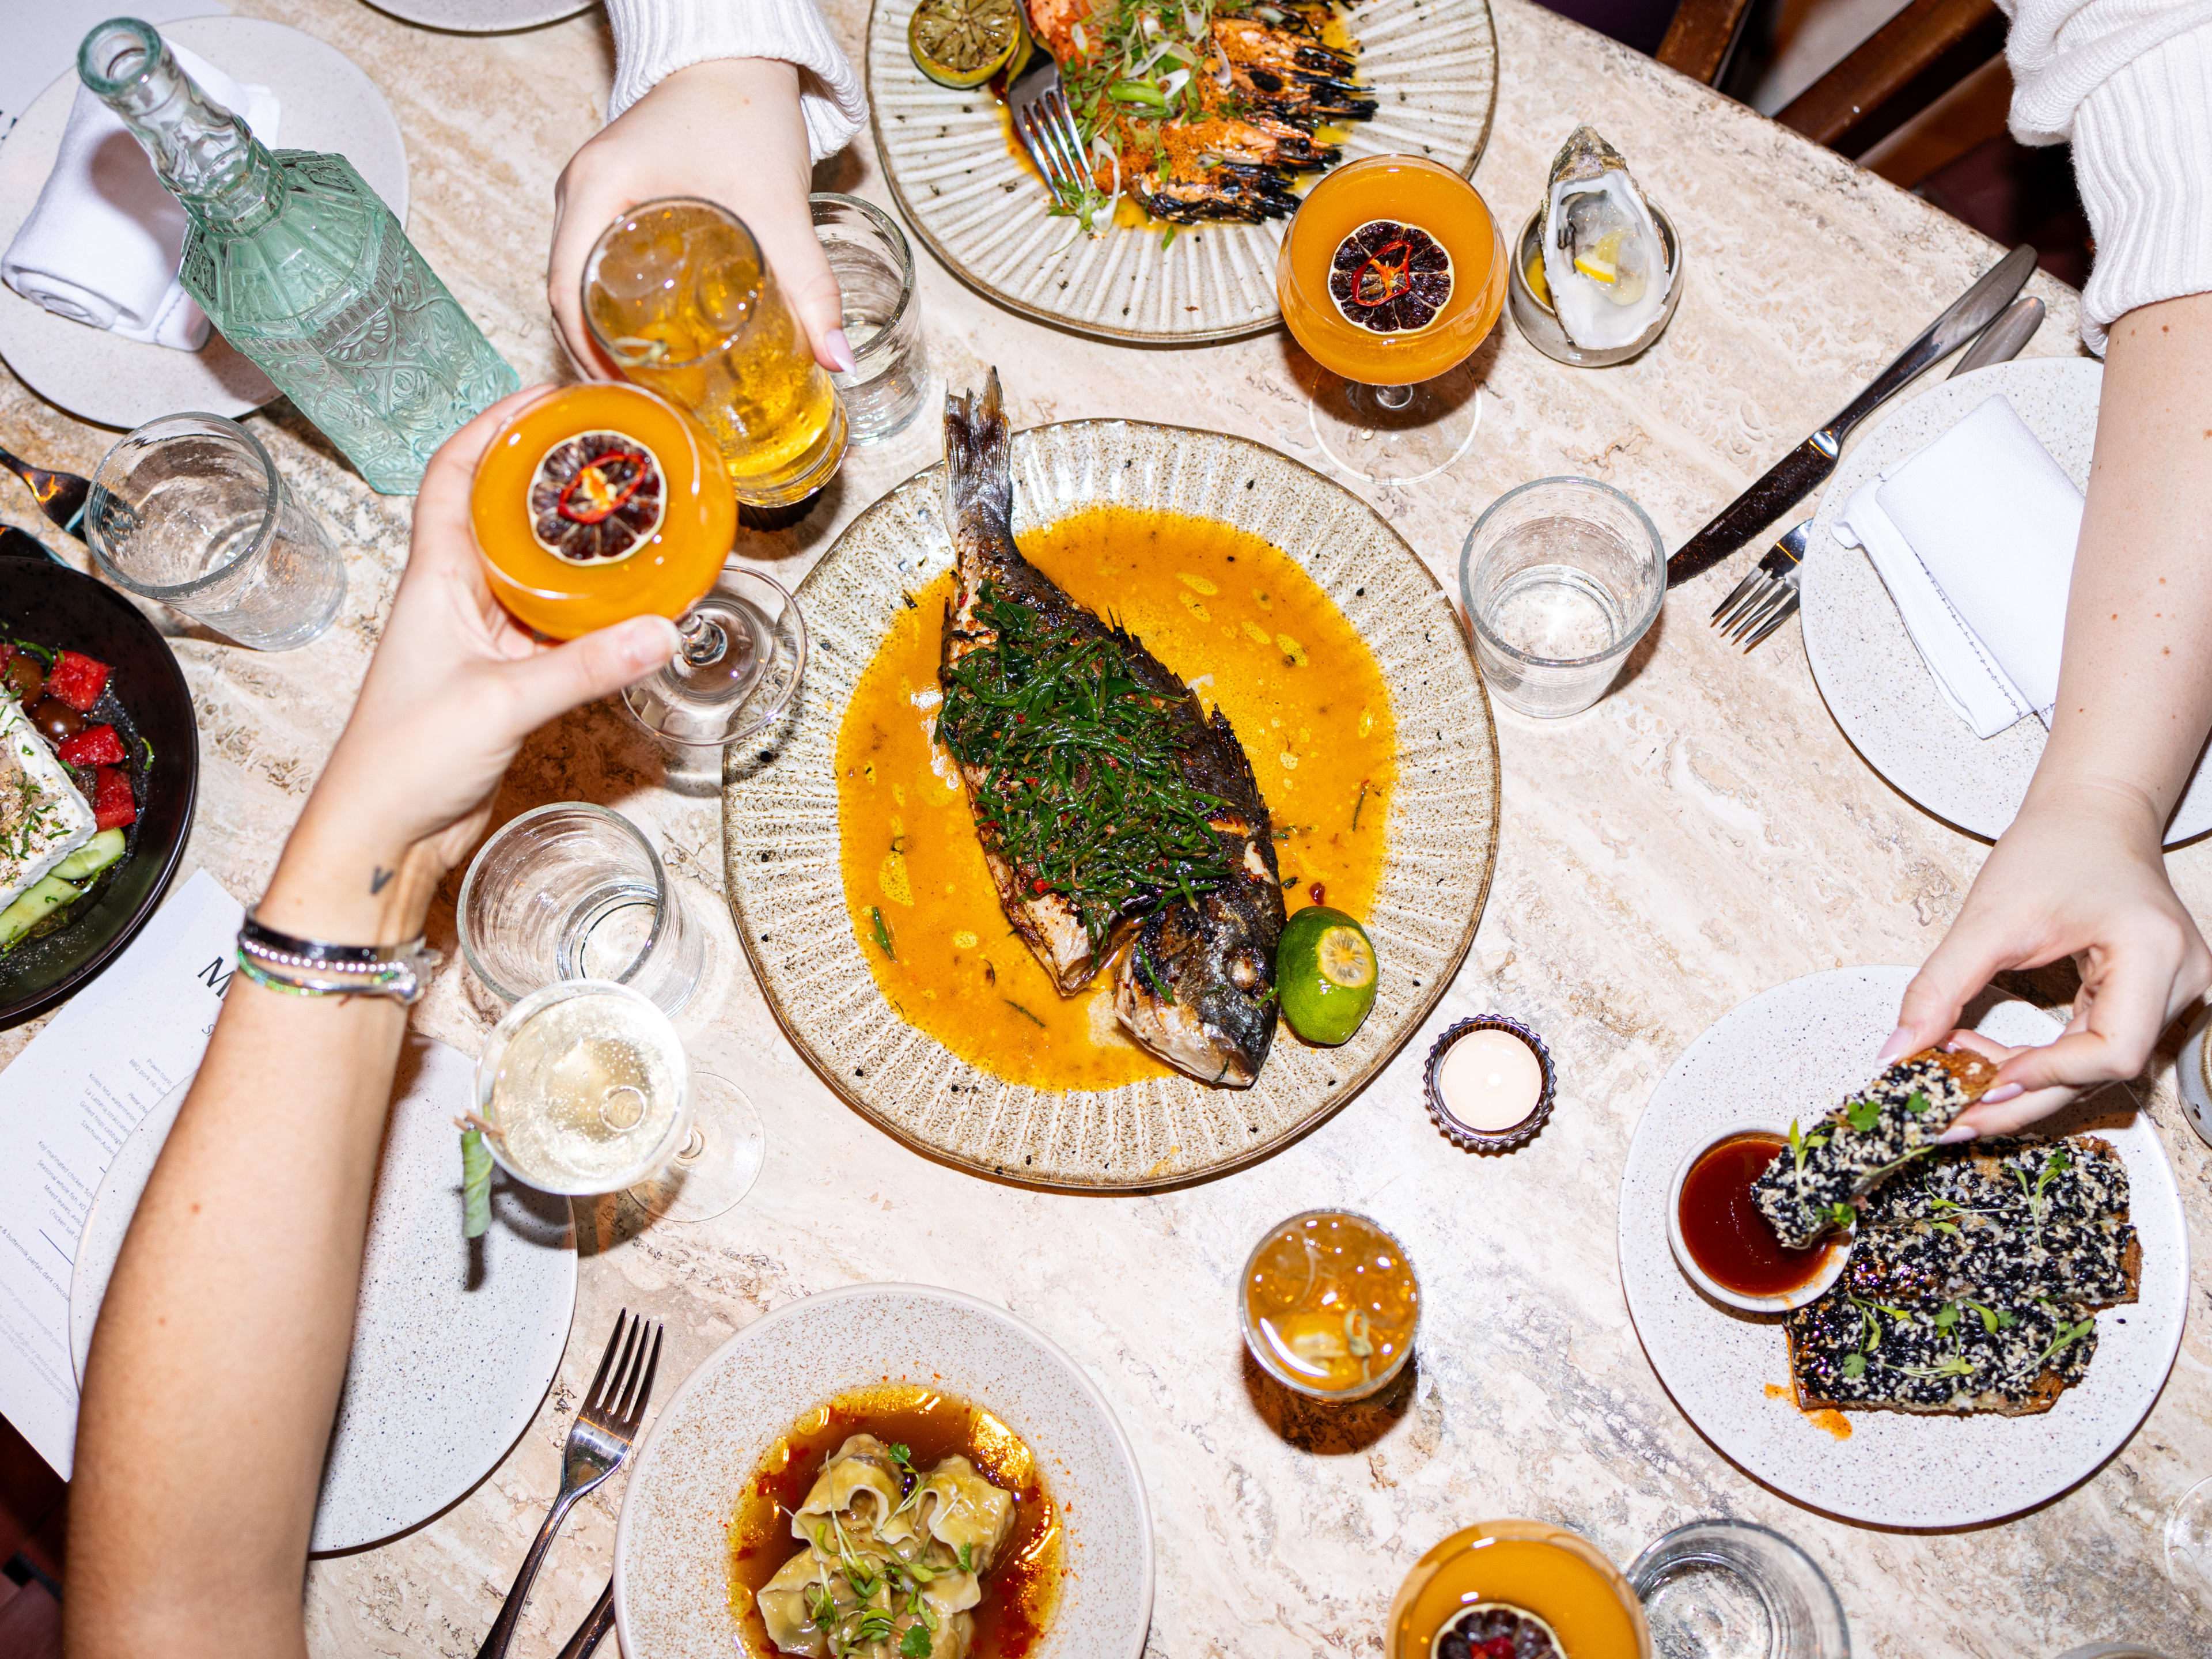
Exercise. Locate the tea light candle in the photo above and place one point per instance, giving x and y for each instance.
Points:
(1490, 1083)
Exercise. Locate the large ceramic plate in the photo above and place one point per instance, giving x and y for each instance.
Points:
(1795, 1051)
(329, 104)
(454, 1343)
(671, 1565)
(780, 825)
(1865, 663)
(1432, 64)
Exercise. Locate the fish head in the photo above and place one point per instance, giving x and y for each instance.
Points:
(1197, 985)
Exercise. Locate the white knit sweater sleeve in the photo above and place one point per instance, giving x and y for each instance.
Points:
(656, 38)
(2130, 82)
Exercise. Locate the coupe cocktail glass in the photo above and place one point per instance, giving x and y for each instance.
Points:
(1392, 273)
(599, 502)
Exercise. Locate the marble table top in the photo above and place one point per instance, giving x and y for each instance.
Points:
(1704, 833)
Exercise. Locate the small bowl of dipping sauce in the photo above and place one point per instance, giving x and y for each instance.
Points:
(1725, 1245)
(1330, 1304)
(1490, 1083)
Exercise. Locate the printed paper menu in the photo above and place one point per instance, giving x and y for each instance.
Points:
(67, 1103)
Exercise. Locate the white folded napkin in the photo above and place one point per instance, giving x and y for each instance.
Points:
(102, 244)
(1973, 536)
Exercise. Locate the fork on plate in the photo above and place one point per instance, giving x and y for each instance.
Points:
(598, 1440)
(1037, 101)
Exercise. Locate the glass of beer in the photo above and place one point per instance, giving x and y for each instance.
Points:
(1392, 273)
(677, 295)
(599, 502)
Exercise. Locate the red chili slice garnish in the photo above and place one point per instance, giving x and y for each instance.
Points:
(607, 497)
(1381, 280)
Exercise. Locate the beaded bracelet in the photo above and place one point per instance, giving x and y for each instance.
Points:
(310, 968)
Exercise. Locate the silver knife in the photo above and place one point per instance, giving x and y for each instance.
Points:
(1797, 474)
(2004, 339)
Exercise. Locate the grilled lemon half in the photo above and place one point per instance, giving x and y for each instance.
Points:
(963, 43)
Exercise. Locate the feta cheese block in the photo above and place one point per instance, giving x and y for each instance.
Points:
(1892, 1120)
(43, 819)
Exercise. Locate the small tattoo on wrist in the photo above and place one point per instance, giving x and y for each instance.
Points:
(376, 882)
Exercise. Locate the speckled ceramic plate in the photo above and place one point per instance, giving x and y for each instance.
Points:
(671, 1572)
(328, 104)
(453, 1347)
(1796, 1050)
(482, 16)
(1867, 667)
(780, 821)
(1432, 64)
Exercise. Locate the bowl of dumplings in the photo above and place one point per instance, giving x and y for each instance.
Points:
(885, 1471)
(1597, 270)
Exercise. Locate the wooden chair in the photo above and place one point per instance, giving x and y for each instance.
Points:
(1921, 90)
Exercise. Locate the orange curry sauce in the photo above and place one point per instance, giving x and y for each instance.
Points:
(1227, 612)
(1023, 1587)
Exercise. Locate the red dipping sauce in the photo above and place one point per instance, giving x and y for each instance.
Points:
(1726, 1235)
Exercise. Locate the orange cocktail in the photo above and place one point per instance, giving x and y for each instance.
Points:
(597, 503)
(1393, 271)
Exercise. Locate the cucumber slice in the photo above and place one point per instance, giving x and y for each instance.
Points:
(94, 856)
(51, 894)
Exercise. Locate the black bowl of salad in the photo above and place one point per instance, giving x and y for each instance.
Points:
(99, 769)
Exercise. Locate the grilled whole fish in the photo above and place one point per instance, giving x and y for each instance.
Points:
(1115, 815)
(1264, 84)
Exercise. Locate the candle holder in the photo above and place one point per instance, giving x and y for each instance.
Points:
(1466, 1135)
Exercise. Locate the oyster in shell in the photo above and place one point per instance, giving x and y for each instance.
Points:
(1604, 261)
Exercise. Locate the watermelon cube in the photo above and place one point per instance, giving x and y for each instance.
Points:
(77, 680)
(113, 806)
(96, 745)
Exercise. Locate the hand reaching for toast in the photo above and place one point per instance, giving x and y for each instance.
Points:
(2086, 879)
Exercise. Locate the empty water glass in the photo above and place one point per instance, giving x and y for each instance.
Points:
(575, 891)
(190, 510)
(1732, 1589)
(1561, 577)
(882, 315)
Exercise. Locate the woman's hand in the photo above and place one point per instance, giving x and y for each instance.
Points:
(730, 132)
(455, 687)
(2086, 878)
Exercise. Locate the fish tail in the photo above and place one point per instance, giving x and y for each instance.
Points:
(979, 477)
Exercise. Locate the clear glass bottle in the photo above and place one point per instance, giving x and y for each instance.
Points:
(304, 270)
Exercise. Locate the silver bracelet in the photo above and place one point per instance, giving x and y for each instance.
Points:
(311, 968)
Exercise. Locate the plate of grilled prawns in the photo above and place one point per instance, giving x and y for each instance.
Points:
(1199, 126)
(1139, 804)
(1990, 1321)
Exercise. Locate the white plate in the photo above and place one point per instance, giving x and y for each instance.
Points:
(1797, 1050)
(482, 16)
(1865, 664)
(453, 1346)
(329, 104)
(672, 1571)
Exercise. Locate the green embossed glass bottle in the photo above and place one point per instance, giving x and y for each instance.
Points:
(303, 269)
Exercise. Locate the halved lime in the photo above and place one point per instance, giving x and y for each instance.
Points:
(963, 43)
(1326, 970)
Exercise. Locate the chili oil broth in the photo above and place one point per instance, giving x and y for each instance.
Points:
(1023, 1587)
(1222, 609)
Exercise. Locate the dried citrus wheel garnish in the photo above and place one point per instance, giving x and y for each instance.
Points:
(963, 43)
(597, 497)
(1390, 277)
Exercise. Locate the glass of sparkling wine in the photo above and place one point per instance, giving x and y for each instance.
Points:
(678, 297)
(1561, 578)
(585, 1088)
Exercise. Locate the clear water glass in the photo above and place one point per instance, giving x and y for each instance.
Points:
(884, 390)
(573, 892)
(190, 510)
(1561, 578)
(1730, 1589)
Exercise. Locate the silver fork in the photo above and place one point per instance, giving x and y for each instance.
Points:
(1037, 101)
(1767, 595)
(606, 1427)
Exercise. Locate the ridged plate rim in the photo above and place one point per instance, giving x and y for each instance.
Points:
(887, 58)
(781, 835)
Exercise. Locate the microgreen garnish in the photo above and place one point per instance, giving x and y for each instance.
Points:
(1023, 1011)
(1074, 770)
(1993, 1319)
(2068, 1335)
(1916, 1104)
(967, 1558)
(1855, 1365)
(1841, 1214)
(1862, 1113)
(882, 932)
(1954, 1364)
(1361, 802)
(915, 1645)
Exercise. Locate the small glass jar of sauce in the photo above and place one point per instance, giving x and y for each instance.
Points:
(1725, 1245)
(1328, 1305)
(1550, 1593)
